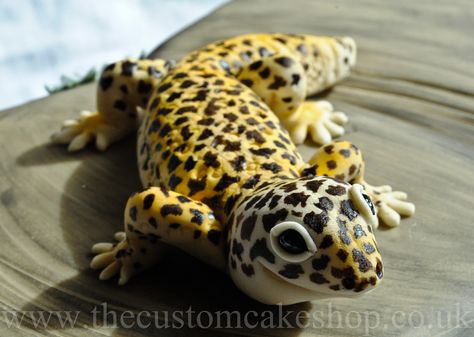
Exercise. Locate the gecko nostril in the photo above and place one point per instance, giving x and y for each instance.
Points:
(379, 269)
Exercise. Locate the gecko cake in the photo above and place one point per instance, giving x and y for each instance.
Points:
(222, 177)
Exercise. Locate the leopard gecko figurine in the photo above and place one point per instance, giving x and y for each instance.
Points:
(217, 135)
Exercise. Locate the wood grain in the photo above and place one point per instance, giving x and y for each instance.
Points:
(411, 106)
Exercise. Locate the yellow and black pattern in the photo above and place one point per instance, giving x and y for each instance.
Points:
(224, 180)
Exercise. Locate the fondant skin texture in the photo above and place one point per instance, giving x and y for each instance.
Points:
(217, 135)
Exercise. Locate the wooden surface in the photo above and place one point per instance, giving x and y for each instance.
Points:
(410, 101)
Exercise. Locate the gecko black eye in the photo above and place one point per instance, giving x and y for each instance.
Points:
(369, 202)
(292, 242)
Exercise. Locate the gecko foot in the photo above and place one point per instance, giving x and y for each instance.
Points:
(320, 120)
(390, 205)
(77, 133)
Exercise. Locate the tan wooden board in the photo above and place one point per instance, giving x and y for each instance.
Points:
(410, 101)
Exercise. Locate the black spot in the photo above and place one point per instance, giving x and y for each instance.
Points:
(256, 136)
(164, 87)
(210, 159)
(247, 82)
(358, 231)
(143, 87)
(106, 82)
(237, 249)
(284, 61)
(186, 84)
(120, 105)
(265, 73)
(247, 269)
(325, 204)
(368, 247)
(196, 185)
(171, 209)
(263, 151)
(238, 163)
(185, 109)
(347, 208)
(174, 96)
(296, 198)
(198, 216)
(185, 133)
(174, 181)
(278, 82)
(225, 182)
(124, 89)
(274, 201)
(247, 227)
(251, 182)
(128, 68)
(274, 167)
(331, 164)
(342, 255)
(291, 271)
(148, 201)
(316, 222)
(109, 67)
(183, 199)
(326, 242)
(295, 79)
(289, 157)
(197, 234)
(181, 120)
(152, 221)
(264, 200)
(321, 262)
(279, 39)
(348, 283)
(174, 225)
(314, 185)
(206, 133)
(343, 273)
(318, 278)
(336, 190)
(214, 236)
(189, 164)
(173, 163)
(345, 153)
(165, 130)
(133, 213)
(379, 269)
(263, 52)
(359, 257)
(260, 249)
(256, 65)
(302, 49)
(270, 220)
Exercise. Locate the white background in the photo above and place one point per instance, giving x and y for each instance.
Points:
(44, 39)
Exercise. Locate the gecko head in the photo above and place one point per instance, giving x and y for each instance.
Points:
(303, 239)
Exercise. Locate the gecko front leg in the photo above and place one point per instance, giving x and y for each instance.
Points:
(153, 218)
(343, 160)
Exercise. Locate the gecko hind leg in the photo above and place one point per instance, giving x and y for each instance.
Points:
(124, 88)
(281, 82)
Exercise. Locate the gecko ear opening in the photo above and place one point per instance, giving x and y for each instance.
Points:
(292, 242)
(364, 204)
